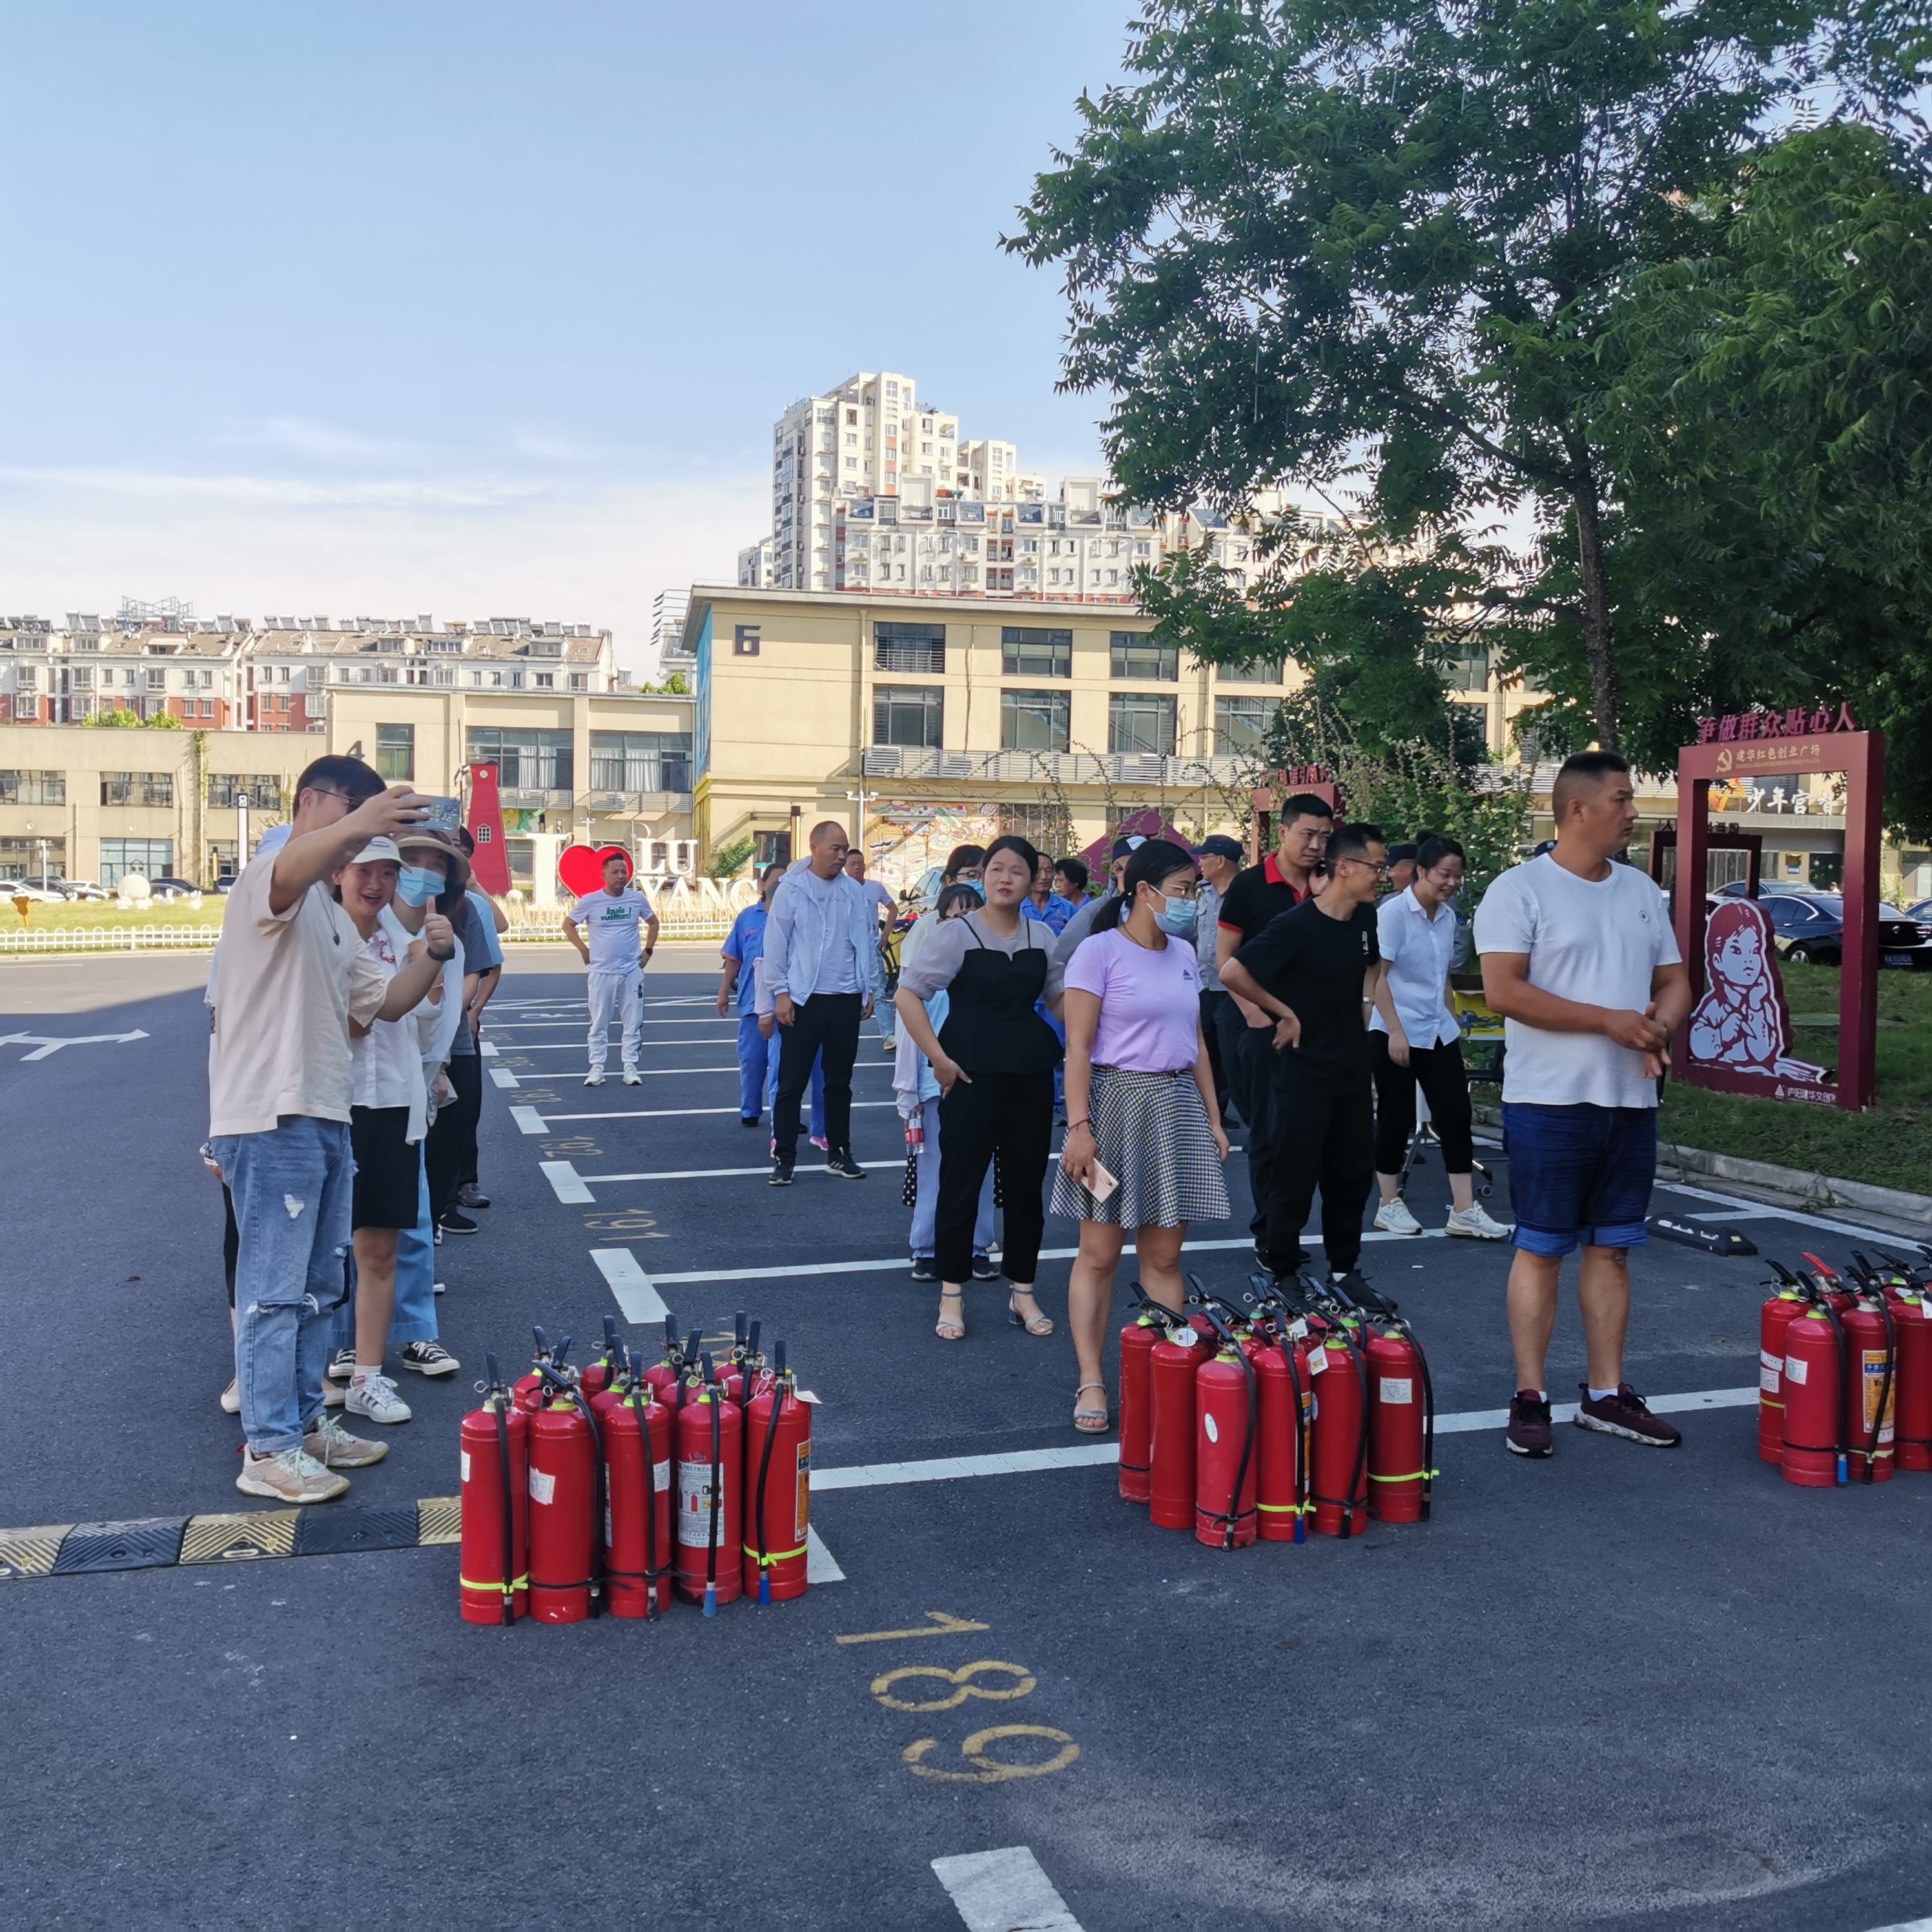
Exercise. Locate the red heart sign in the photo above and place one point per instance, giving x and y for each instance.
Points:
(581, 869)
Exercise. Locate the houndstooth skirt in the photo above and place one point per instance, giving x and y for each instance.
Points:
(1151, 1130)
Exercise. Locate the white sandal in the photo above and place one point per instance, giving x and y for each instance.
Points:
(946, 1328)
(1098, 1420)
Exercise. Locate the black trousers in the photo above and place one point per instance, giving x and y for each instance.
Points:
(1211, 1004)
(1327, 1140)
(449, 1152)
(1257, 1061)
(1229, 1028)
(1013, 1113)
(1438, 1071)
(828, 1023)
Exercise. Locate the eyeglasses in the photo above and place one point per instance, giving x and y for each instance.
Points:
(1381, 871)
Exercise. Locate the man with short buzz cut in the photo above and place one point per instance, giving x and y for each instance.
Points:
(822, 969)
(623, 934)
(296, 982)
(1315, 970)
(1578, 957)
(1285, 878)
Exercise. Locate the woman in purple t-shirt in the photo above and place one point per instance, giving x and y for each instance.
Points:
(1140, 1102)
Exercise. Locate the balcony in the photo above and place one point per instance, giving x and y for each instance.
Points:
(1064, 768)
(531, 798)
(636, 804)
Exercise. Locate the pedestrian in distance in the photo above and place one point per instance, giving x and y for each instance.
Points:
(916, 1092)
(757, 1064)
(1578, 958)
(623, 931)
(821, 962)
(1286, 877)
(1077, 928)
(1416, 1042)
(1044, 902)
(993, 1062)
(964, 866)
(387, 1119)
(1070, 876)
(1315, 970)
(1404, 862)
(1220, 858)
(466, 1064)
(885, 909)
(295, 979)
(1144, 1148)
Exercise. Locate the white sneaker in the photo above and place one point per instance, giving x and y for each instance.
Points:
(331, 1445)
(1392, 1217)
(341, 1365)
(1474, 1223)
(291, 1476)
(632, 1078)
(231, 1399)
(375, 1398)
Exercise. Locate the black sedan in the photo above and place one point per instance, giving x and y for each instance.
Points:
(1809, 930)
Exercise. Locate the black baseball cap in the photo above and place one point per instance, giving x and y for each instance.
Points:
(1122, 847)
(1222, 846)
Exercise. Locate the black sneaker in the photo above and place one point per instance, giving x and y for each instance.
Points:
(1626, 1414)
(985, 1268)
(455, 1223)
(925, 1268)
(749, 1120)
(840, 1162)
(780, 1173)
(1528, 1431)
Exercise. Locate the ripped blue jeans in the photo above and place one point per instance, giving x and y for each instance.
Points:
(291, 1189)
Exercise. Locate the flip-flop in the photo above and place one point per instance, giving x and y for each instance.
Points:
(1091, 1421)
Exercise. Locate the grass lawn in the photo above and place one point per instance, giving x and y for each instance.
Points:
(1890, 1147)
(105, 914)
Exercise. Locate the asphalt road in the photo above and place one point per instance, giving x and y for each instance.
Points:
(1620, 1688)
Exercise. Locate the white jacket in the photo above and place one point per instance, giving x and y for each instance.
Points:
(797, 932)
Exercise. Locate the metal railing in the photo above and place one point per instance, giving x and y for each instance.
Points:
(549, 931)
(111, 939)
(1068, 768)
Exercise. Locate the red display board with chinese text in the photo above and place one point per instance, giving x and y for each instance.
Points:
(1738, 1037)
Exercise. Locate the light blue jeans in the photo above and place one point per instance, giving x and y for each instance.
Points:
(413, 1318)
(292, 1187)
(925, 1203)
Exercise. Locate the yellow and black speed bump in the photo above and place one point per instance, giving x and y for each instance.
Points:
(242, 1536)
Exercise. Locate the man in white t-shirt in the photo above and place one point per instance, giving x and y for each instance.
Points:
(622, 934)
(1578, 958)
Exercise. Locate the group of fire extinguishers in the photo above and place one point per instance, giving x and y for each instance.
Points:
(1243, 1423)
(568, 1479)
(1845, 1371)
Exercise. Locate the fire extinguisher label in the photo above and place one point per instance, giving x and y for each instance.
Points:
(543, 1485)
(694, 1505)
(1795, 1371)
(1398, 1388)
(1767, 1380)
(1208, 1423)
(660, 1477)
(1874, 1382)
(466, 1464)
(804, 1490)
(1318, 1361)
(1767, 1359)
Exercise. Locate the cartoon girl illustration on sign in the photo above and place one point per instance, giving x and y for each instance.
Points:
(1742, 1022)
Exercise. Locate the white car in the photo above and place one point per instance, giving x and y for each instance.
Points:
(84, 889)
(30, 889)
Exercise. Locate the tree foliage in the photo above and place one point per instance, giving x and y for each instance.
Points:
(128, 721)
(727, 861)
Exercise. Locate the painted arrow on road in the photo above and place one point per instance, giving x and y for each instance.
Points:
(44, 1045)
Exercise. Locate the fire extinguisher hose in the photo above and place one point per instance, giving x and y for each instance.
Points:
(635, 1401)
(1885, 1383)
(717, 1400)
(1229, 1518)
(583, 1408)
(764, 1470)
(509, 1506)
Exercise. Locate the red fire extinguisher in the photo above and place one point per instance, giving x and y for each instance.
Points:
(778, 1485)
(1401, 1423)
(1227, 1418)
(1339, 1437)
(1175, 1359)
(637, 1518)
(710, 1439)
(1814, 1353)
(1870, 1367)
(529, 1391)
(495, 1565)
(1281, 1488)
(566, 1487)
(1912, 1337)
(1775, 1319)
(598, 1375)
(1138, 1339)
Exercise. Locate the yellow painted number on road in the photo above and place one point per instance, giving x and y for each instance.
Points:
(882, 1686)
(993, 1770)
(576, 1144)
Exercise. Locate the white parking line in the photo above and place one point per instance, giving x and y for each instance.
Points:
(672, 1113)
(526, 1026)
(638, 1301)
(562, 1177)
(820, 1566)
(504, 1077)
(721, 1173)
(529, 1120)
(1003, 1891)
(1830, 1227)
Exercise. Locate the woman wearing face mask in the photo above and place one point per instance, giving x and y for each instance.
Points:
(1140, 1102)
(994, 1063)
(963, 867)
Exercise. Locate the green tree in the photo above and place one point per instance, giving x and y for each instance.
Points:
(727, 861)
(1303, 231)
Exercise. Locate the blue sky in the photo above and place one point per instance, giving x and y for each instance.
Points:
(486, 308)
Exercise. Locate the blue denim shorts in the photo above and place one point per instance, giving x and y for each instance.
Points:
(1580, 1176)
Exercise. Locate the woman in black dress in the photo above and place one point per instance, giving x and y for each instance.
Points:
(994, 1060)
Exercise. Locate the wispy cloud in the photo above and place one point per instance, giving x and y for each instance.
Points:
(299, 436)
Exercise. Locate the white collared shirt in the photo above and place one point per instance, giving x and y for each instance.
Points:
(1418, 950)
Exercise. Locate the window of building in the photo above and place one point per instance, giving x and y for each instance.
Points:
(909, 714)
(908, 647)
(525, 761)
(262, 791)
(520, 856)
(1470, 672)
(33, 787)
(744, 639)
(20, 858)
(1027, 651)
(771, 848)
(1268, 671)
(641, 761)
(152, 858)
(1141, 720)
(579, 680)
(137, 788)
(28, 677)
(157, 679)
(1239, 722)
(1034, 721)
(1136, 656)
(396, 752)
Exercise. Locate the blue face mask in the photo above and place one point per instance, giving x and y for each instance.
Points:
(417, 885)
(1180, 917)
(973, 886)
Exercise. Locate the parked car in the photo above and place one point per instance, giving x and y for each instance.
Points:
(30, 888)
(1808, 929)
(1922, 910)
(80, 889)
(166, 889)
(1766, 888)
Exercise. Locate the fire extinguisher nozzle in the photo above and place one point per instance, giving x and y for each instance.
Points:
(711, 1599)
(765, 1589)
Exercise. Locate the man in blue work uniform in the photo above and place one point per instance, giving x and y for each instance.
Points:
(757, 1063)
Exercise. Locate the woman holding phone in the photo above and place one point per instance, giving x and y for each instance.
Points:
(1144, 1147)
(994, 1060)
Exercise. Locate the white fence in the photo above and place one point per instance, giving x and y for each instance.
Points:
(111, 939)
(550, 931)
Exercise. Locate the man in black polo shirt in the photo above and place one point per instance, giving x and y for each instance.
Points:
(1282, 881)
(1316, 970)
